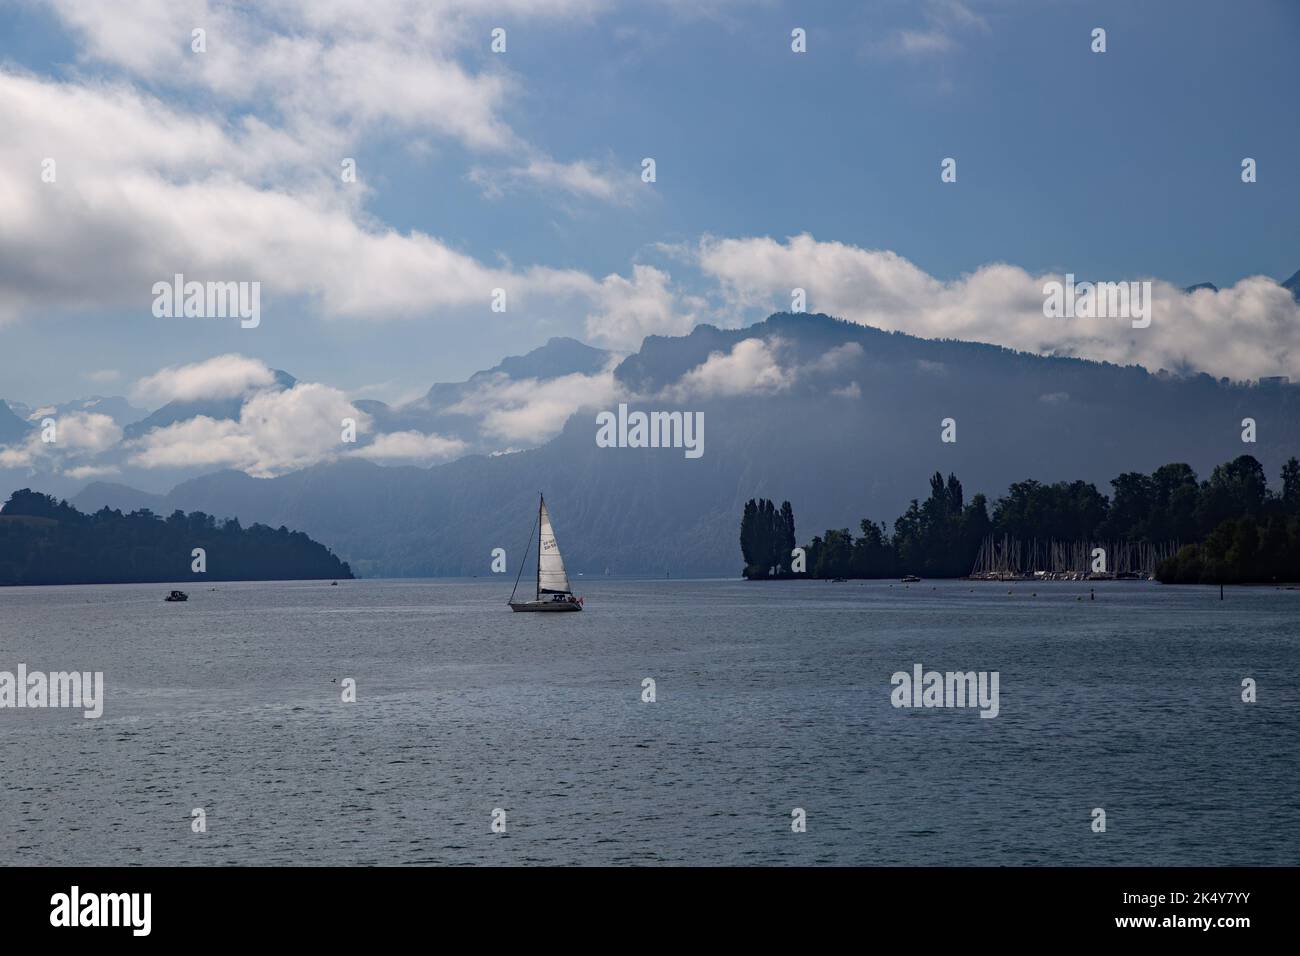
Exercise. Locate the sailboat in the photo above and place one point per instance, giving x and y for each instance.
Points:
(553, 591)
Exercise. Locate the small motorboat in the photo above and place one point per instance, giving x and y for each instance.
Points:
(177, 596)
(910, 579)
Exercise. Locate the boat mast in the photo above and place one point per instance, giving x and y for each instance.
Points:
(541, 501)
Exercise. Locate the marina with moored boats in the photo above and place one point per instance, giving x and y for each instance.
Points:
(1011, 559)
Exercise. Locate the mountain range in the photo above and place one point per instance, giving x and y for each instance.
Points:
(217, 408)
(451, 410)
(442, 410)
(843, 420)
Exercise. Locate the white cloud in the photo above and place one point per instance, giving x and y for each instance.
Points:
(86, 432)
(197, 442)
(581, 178)
(945, 21)
(279, 88)
(82, 472)
(225, 376)
(753, 367)
(15, 456)
(411, 446)
(322, 65)
(276, 432)
(837, 358)
(77, 436)
(105, 376)
(133, 179)
(1247, 330)
(923, 41)
(532, 410)
(750, 367)
(629, 310)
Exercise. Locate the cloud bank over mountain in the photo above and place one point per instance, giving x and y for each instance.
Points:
(1248, 330)
(233, 411)
(844, 420)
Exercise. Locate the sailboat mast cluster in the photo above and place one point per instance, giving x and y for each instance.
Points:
(1007, 558)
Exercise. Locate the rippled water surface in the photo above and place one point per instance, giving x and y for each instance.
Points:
(770, 696)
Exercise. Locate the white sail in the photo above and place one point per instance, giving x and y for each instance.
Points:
(551, 578)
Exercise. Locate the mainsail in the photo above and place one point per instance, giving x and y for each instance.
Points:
(551, 578)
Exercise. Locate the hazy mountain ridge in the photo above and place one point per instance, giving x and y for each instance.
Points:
(519, 403)
(215, 408)
(849, 427)
(13, 427)
(119, 409)
(442, 412)
(439, 410)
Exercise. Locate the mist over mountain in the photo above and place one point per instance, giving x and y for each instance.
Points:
(488, 412)
(841, 419)
(215, 408)
(119, 409)
(12, 427)
(120, 497)
(1292, 285)
(448, 408)
(94, 437)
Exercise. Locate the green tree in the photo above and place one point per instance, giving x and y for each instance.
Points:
(835, 556)
(749, 534)
(1131, 507)
(1236, 489)
(1291, 486)
(787, 535)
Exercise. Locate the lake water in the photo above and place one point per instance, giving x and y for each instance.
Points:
(769, 697)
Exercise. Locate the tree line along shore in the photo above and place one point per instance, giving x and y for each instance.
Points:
(1230, 528)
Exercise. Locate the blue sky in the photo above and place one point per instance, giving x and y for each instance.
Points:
(1122, 165)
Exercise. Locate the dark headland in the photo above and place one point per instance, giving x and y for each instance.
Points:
(47, 541)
